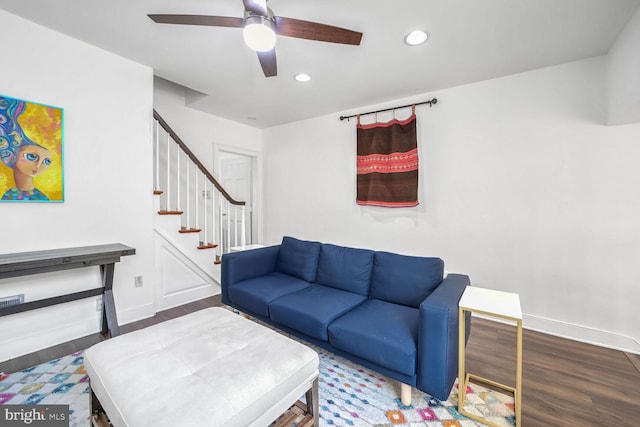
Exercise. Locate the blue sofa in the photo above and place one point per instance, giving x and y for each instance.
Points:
(394, 314)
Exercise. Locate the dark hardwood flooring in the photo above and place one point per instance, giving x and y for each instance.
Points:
(565, 383)
(61, 350)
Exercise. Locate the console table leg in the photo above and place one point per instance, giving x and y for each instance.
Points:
(109, 317)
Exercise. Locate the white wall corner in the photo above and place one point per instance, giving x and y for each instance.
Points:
(623, 75)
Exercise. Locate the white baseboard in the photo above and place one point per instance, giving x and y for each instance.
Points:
(136, 313)
(582, 333)
(148, 310)
(574, 332)
(190, 295)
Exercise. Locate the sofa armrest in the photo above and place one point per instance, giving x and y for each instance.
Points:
(243, 265)
(438, 337)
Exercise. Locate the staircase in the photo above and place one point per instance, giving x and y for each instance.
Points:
(197, 221)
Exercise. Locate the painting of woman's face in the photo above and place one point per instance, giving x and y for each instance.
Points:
(30, 152)
(33, 160)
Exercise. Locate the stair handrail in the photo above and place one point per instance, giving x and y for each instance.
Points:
(195, 160)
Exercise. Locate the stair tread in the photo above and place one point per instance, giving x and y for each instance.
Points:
(189, 230)
(210, 246)
(170, 212)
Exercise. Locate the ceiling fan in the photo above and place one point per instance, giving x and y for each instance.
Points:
(260, 27)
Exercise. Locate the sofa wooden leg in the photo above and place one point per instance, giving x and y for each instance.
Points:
(405, 394)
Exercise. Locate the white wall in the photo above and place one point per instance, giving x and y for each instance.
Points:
(200, 131)
(623, 75)
(107, 103)
(523, 187)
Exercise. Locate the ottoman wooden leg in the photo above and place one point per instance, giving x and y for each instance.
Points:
(96, 406)
(312, 403)
(97, 415)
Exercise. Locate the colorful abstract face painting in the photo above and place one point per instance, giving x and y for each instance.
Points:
(30, 152)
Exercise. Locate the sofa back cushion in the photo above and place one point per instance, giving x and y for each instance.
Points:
(403, 279)
(344, 268)
(298, 258)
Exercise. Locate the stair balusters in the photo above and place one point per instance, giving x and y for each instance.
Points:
(214, 214)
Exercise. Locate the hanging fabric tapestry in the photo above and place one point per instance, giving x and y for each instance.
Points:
(387, 163)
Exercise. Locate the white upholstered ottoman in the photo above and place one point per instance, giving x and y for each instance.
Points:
(208, 368)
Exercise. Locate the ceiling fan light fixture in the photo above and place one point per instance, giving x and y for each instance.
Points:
(415, 38)
(259, 33)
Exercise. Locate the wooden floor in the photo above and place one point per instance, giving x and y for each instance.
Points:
(565, 383)
(45, 355)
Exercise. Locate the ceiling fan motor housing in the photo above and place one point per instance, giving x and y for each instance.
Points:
(270, 17)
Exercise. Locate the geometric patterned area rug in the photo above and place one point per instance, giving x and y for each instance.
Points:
(350, 396)
(62, 381)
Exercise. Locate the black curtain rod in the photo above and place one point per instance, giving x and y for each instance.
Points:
(430, 102)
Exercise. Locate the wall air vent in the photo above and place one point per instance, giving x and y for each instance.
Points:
(12, 300)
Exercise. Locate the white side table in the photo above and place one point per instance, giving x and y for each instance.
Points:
(503, 305)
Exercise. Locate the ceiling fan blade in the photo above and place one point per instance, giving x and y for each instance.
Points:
(212, 21)
(298, 28)
(268, 62)
(258, 7)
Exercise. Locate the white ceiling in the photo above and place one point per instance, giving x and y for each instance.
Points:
(471, 40)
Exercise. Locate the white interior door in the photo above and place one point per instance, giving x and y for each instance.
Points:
(236, 176)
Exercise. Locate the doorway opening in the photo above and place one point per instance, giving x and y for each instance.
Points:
(238, 174)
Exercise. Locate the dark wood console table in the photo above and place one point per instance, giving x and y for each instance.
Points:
(105, 256)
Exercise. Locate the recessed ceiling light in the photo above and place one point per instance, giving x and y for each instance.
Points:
(415, 38)
(302, 77)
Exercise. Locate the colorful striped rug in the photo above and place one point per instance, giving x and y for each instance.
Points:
(350, 395)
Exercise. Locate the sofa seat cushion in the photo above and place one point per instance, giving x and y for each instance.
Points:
(298, 258)
(344, 268)
(312, 309)
(403, 279)
(380, 332)
(256, 294)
